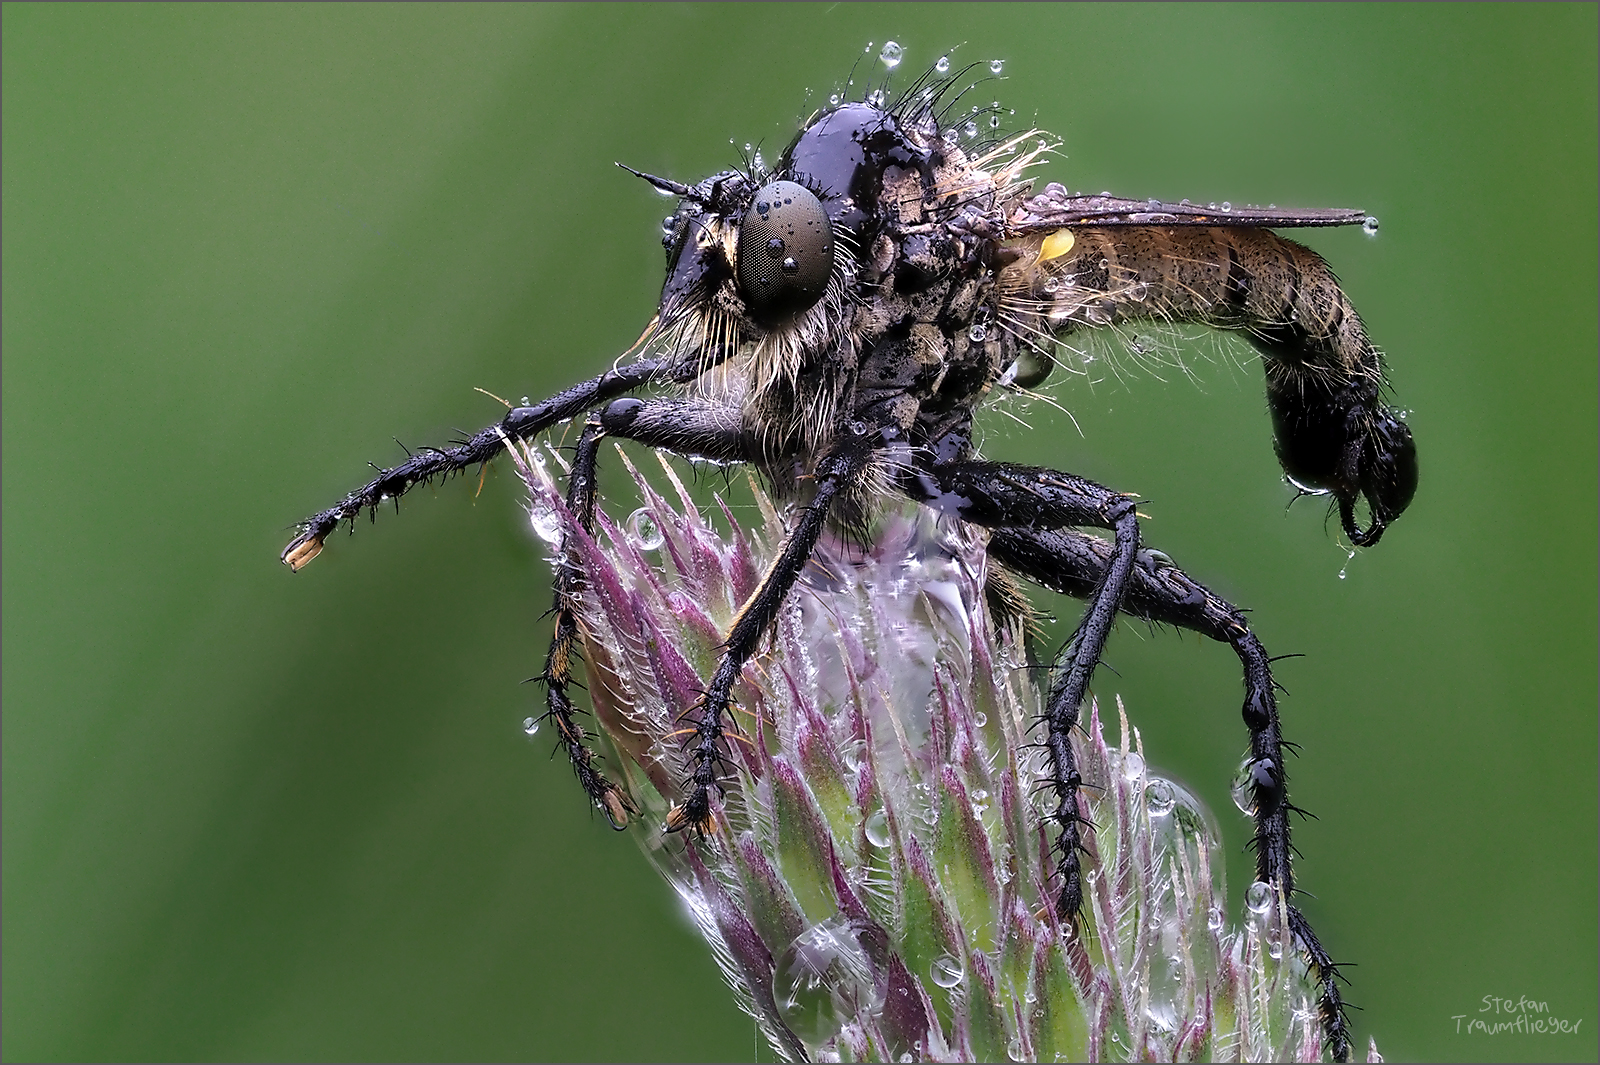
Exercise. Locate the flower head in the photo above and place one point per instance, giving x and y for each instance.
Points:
(876, 880)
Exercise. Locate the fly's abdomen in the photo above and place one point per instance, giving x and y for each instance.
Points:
(1324, 376)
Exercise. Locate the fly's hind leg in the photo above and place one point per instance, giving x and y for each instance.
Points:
(1079, 565)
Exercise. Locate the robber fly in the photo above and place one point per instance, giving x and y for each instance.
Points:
(836, 321)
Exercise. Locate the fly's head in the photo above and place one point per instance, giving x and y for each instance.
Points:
(874, 218)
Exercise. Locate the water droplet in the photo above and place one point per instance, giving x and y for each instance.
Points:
(646, 531)
(1014, 1049)
(1226, 206)
(1214, 919)
(1159, 798)
(996, 65)
(1132, 766)
(1369, 225)
(822, 981)
(942, 64)
(1051, 284)
(546, 524)
(1258, 897)
(978, 333)
(1142, 345)
(947, 971)
(877, 828)
(994, 121)
(530, 727)
(891, 55)
(1347, 560)
(1244, 796)
(877, 98)
(970, 128)
(980, 719)
(527, 402)
(833, 100)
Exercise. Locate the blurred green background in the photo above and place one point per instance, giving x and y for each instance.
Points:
(256, 815)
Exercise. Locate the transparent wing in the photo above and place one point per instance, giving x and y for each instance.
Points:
(1056, 207)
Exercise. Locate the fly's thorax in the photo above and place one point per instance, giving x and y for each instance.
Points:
(913, 225)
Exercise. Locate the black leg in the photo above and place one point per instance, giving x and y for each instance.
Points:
(840, 468)
(687, 427)
(518, 424)
(610, 799)
(1001, 495)
(1078, 564)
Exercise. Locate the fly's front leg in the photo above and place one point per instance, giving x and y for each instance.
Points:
(1000, 495)
(610, 799)
(520, 423)
(1078, 565)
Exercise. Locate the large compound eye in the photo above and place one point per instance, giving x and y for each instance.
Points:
(785, 251)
